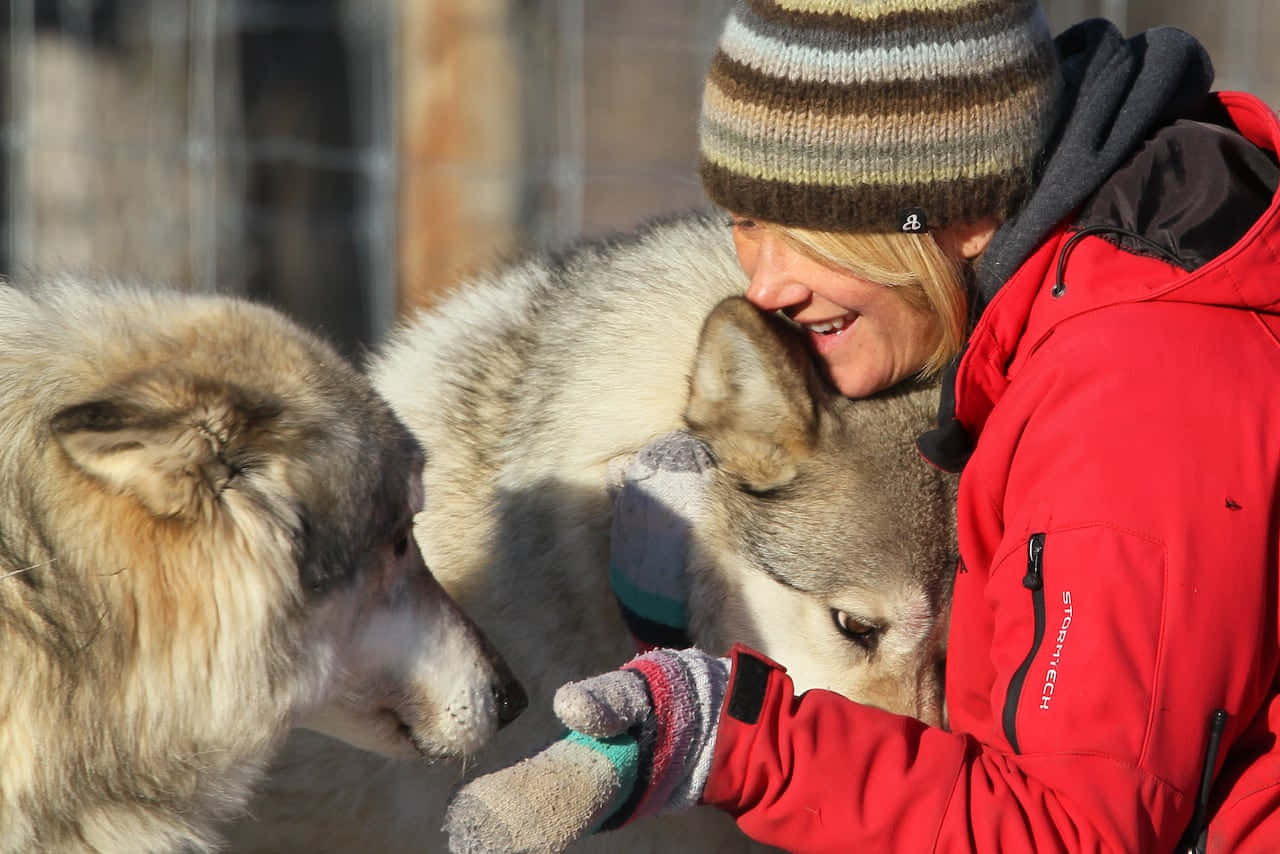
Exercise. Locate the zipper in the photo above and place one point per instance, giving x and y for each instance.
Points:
(1195, 840)
(1034, 582)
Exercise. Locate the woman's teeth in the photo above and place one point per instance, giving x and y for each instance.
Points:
(829, 326)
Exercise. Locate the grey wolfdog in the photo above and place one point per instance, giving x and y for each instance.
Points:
(525, 386)
(205, 538)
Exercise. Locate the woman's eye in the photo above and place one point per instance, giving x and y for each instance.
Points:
(863, 634)
(741, 223)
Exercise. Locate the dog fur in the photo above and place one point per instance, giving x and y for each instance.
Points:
(525, 387)
(205, 538)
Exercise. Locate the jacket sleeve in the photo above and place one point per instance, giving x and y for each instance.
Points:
(788, 768)
(1079, 710)
(819, 773)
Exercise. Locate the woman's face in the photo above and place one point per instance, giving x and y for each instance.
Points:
(866, 334)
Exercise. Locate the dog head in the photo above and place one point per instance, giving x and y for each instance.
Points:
(829, 542)
(236, 504)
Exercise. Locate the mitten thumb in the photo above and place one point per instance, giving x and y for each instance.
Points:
(605, 705)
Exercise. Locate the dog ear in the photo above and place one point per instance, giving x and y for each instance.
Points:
(162, 439)
(753, 394)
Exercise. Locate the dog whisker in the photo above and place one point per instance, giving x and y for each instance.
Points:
(26, 569)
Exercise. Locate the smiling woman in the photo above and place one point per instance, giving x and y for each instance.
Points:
(878, 307)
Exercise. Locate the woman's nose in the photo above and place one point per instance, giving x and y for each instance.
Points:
(772, 284)
(772, 287)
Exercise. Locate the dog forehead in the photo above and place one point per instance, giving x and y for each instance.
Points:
(914, 615)
(887, 598)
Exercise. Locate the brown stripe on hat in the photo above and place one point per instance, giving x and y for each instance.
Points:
(977, 19)
(750, 86)
(869, 208)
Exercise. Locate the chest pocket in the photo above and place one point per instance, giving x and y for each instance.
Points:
(1079, 626)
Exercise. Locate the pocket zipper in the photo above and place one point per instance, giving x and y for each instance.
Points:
(1033, 581)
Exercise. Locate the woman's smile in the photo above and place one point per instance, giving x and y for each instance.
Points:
(824, 336)
(867, 336)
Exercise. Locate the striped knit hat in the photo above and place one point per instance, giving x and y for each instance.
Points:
(877, 115)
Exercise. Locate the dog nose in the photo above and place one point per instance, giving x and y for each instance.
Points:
(511, 700)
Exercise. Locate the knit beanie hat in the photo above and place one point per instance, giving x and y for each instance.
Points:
(877, 115)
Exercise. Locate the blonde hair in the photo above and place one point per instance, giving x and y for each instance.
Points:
(914, 264)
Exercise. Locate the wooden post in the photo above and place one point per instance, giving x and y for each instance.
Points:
(459, 130)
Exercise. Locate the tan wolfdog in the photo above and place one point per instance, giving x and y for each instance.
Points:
(205, 538)
(829, 544)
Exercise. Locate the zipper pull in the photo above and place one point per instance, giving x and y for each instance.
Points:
(1034, 579)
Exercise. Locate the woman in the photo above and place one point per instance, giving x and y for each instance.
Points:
(1112, 229)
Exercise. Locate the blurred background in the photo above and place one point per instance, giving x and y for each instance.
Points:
(346, 159)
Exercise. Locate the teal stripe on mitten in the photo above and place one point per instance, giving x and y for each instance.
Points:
(658, 504)
(623, 753)
(652, 606)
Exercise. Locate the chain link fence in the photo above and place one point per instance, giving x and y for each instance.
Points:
(346, 158)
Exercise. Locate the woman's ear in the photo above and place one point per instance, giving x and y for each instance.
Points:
(967, 240)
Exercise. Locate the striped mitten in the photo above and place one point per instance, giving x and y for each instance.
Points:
(658, 504)
(640, 743)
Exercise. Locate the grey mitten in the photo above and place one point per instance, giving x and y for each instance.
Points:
(657, 506)
(640, 743)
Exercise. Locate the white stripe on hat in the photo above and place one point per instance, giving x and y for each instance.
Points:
(965, 58)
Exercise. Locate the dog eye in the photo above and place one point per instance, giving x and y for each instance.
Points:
(401, 544)
(756, 491)
(863, 634)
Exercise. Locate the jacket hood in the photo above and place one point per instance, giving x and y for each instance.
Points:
(1193, 217)
(1116, 93)
(1113, 93)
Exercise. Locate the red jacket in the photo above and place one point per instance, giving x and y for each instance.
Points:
(1120, 545)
